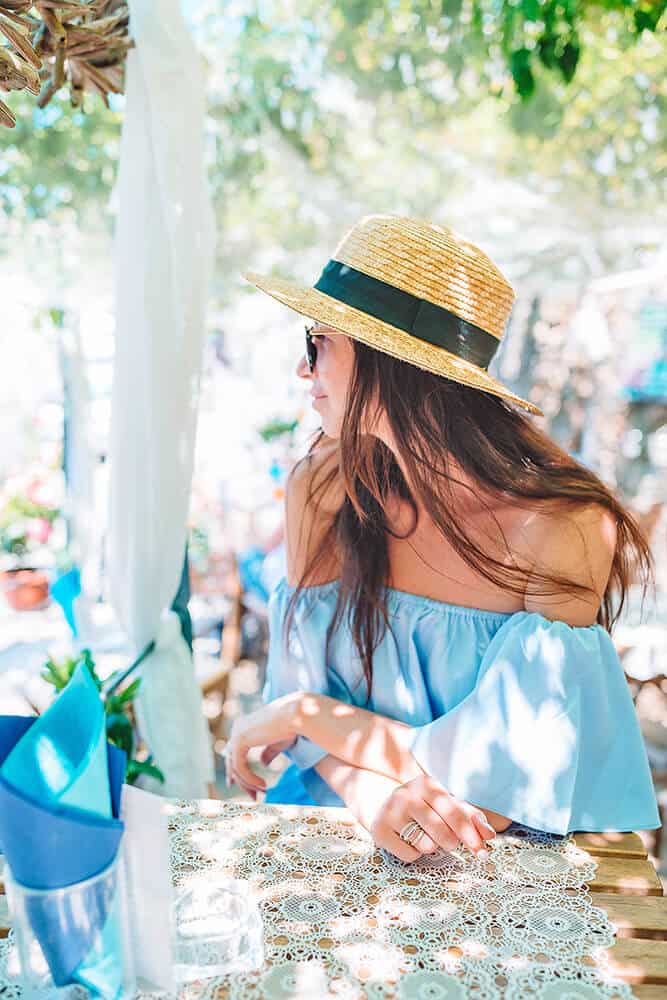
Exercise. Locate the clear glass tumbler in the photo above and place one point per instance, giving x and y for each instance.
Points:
(76, 940)
(218, 929)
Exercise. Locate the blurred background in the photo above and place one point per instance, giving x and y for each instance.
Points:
(537, 129)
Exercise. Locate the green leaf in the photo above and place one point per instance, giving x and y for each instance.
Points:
(129, 693)
(567, 61)
(546, 50)
(137, 767)
(59, 673)
(119, 732)
(87, 659)
(522, 73)
(531, 9)
(646, 18)
(277, 427)
(118, 702)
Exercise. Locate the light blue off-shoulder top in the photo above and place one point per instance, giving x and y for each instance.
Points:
(515, 713)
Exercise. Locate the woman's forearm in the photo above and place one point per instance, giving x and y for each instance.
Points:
(361, 738)
(363, 792)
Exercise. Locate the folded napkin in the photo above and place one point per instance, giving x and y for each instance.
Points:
(60, 792)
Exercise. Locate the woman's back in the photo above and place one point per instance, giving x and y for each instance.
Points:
(424, 563)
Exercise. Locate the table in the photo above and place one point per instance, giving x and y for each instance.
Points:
(325, 890)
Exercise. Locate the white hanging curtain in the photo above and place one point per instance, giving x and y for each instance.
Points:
(80, 502)
(163, 251)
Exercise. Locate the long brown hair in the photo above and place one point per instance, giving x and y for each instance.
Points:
(432, 418)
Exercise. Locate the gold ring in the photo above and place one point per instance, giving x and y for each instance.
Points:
(412, 833)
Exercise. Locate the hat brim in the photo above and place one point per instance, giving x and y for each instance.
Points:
(383, 337)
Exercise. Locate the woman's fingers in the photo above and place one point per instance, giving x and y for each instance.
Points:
(425, 844)
(457, 816)
(271, 751)
(268, 754)
(438, 832)
(397, 847)
(487, 832)
(250, 790)
(238, 756)
(387, 838)
(474, 828)
(402, 808)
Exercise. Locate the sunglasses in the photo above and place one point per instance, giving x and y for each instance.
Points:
(311, 349)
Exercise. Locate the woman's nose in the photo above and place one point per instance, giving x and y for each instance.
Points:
(302, 369)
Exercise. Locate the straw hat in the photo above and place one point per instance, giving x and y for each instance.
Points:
(414, 290)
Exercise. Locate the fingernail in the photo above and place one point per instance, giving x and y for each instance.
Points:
(483, 855)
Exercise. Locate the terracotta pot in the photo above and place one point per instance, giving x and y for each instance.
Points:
(25, 589)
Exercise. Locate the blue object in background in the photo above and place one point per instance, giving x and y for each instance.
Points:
(276, 471)
(64, 590)
(251, 561)
(653, 386)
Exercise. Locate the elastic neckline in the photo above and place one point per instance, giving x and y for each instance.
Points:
(404, 596)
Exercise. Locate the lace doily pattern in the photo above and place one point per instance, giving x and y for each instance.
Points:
(346, 921)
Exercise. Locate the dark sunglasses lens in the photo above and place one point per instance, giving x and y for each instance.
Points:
(311, 351)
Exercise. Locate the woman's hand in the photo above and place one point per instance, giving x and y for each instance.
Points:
(446, 820)
(271, 727)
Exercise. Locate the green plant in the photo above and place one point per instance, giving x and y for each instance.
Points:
(117, 708)
(16, 515)
(276, 428)
(13, 541)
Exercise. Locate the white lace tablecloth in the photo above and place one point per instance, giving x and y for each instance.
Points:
(345, 921)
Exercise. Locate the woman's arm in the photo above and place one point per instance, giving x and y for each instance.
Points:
(358, 742)
(361, 738)
(353, 735)
(362, 741)
(363, 792)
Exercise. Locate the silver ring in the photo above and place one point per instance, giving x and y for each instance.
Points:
(412, 833)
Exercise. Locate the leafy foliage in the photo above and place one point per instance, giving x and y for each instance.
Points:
(376, 103)
(58, 163)
(276, 428)
(117, 708)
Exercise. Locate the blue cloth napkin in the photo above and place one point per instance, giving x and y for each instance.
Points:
(60, 791)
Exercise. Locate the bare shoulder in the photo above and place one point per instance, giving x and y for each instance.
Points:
(312, 471)
(313, 496)
(574, 542)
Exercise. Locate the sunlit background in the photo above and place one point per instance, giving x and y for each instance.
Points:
(538, 130)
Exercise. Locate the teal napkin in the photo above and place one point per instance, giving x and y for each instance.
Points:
(61, 782)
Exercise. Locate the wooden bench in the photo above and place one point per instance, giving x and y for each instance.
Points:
(627, 887)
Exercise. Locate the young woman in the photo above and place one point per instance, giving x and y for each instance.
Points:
(440, 655)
